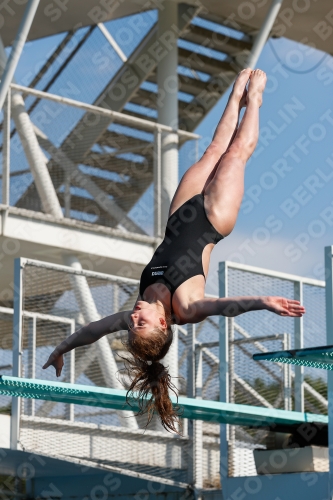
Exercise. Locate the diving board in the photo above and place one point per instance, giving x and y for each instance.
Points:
(197, 409)
(314, 357)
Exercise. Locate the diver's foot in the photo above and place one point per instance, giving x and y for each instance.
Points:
(239, 90)
(257, 85)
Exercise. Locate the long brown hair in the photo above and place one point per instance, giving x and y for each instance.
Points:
(151, 378)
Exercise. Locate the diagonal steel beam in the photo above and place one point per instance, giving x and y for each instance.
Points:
(250, 391)
(36, 158)
(63, 65)
(105, 356)
(263, 33)
(216, 86)
(17, 48)
(125, 83)
(101, 198)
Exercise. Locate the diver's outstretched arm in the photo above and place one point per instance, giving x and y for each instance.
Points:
(88, 335)
(234, 306)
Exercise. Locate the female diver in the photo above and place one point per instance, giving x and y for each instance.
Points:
(203, 211)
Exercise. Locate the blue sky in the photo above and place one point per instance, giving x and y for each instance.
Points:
(287, 215)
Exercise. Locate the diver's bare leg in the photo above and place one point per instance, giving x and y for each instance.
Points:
(223, 195)
(200, 174)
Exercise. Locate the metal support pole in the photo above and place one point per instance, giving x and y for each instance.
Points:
(171, 361)
(171, 358)
(298, 342)
(70, 374)
(6, 151)
(190, 346)
(231, 428)
(36, 158)
(198, 433)
(224, 378)
(105, 356)
(231, 336)
(17, 352)
(112, 42)
(67, 194)
(263, 34)
(167, 81)
(329, 340)
(190, 393)
(17, 48)
(115, 289)
(32, 327)
(157, 185)
(287, 376)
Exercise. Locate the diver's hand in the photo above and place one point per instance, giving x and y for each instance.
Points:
(284, 307)
(56, 360)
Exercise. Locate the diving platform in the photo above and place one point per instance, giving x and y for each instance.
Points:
(313, 357)
(194, 409)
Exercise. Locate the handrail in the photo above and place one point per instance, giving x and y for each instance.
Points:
(78, 272)
(275, 274)
(90, 108)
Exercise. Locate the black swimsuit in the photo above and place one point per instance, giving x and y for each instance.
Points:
(179, 256)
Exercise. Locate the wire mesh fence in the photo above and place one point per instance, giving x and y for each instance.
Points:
(263, 384)
(51, 311)
(51, 292)
(98, 435)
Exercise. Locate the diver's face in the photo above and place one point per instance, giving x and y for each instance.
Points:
(146, 317)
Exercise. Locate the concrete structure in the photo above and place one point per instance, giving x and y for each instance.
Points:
(45, 476)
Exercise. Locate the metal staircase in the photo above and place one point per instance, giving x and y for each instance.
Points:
(109, 157)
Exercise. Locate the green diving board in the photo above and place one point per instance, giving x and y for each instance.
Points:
(314, 357)
(198, 409)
